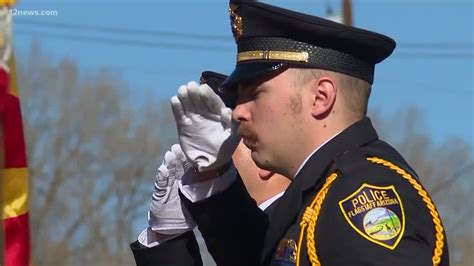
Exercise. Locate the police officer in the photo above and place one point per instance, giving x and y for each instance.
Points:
(302, 85)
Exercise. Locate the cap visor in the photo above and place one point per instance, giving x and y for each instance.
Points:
(247, 71)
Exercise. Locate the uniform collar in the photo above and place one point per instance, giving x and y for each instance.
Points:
(313, 152)
(357, 135)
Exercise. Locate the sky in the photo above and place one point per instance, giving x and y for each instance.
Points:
(161, 44)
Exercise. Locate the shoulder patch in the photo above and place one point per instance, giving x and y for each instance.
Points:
(376, 213)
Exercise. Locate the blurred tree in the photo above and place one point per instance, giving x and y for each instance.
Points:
(445, 168)
(92, 153)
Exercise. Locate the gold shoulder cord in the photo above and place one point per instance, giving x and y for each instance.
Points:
(310, 217)
(311, 214)
(438, 251)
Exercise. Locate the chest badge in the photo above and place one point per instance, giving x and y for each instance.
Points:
(376, 213)
(286, 253)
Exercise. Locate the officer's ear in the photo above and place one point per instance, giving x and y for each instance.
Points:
(323, 96)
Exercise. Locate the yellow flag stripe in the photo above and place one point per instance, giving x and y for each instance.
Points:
(13, 87)
(7, 2)
(15, 192)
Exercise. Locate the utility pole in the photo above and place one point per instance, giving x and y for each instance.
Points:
(347, 12)
(344, 15)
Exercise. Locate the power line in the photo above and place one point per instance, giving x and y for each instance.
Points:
(205, 47)
(126, 42)
(207, 37)
(203, 36)
(439, 55)
(424, 86)
(434, 45)
(127, 31)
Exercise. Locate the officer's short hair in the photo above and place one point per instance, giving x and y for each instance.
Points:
(354, 91)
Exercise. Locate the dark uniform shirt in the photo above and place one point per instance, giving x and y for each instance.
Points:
(180, 251)
(355, 202)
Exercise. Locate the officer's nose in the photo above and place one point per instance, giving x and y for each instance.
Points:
(241, 112)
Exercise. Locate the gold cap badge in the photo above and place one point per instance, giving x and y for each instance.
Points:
(236, 22)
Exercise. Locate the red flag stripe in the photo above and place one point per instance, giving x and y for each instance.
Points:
(14, 143)
(13, 138)
(17, 241)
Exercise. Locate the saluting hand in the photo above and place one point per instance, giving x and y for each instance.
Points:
(207, 134)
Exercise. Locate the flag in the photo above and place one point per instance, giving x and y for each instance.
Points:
(14, 177)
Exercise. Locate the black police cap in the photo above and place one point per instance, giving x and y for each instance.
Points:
(270, 38)
(215, 80)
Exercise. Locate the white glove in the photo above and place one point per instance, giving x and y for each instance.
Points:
(167, 215)
(207, 134)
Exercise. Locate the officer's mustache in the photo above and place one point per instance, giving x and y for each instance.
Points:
(247, 133)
